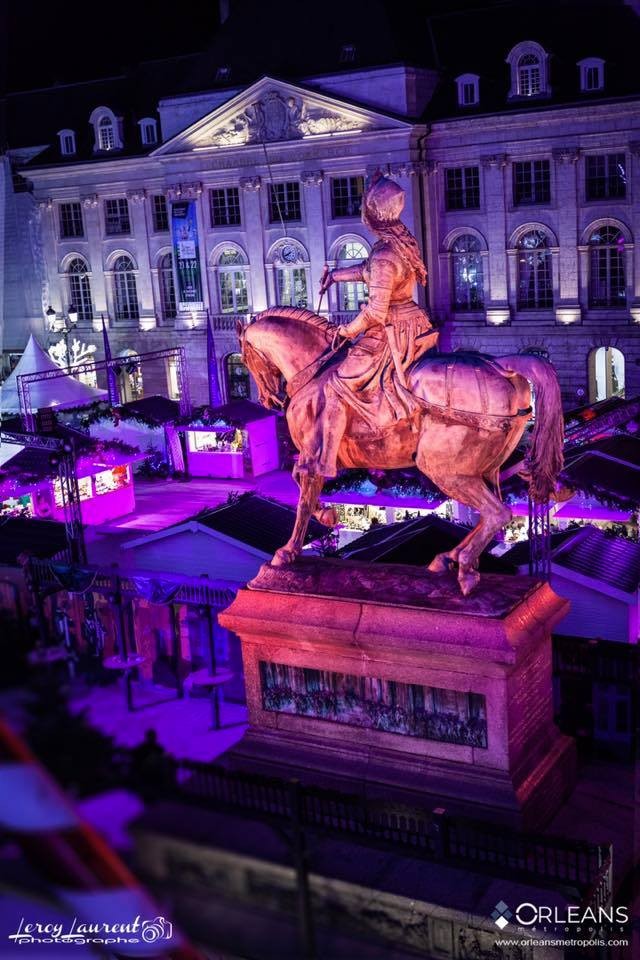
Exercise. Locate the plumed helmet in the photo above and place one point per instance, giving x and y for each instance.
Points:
(383, 200)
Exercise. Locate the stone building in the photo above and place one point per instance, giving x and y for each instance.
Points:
(204, 186)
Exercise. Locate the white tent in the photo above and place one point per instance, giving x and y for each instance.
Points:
(64, 391)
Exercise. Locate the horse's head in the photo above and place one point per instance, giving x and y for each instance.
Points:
(279, 343)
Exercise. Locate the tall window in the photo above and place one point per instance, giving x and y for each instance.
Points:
(238, 378)
(71, 220)
(351, 293)
(167, 287)
(531, 182)
(529, 75)
(606, 176)
(125, 292)
(462, 188)
(67, 142)
(116, 217)
(468, 89)
(106, 134)
(291, 284)
(232, 281)
(535, 284)
(607, 286)
(468, 281)
(160, 213)
(591, 74)
(148, 131)
(606, 373)
(224, 206)
(346, 196)
(80, 288)
(284, 201)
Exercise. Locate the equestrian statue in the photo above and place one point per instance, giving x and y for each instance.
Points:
(374, 393)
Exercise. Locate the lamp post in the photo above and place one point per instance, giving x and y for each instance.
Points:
(63, 326)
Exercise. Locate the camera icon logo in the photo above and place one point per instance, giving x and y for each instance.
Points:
(157, 929)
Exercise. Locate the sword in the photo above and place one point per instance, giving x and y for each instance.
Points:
(325, 274)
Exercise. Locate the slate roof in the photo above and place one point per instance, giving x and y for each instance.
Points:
(612, 560)
(604, 478)
(254, 520)
(237, 413)
(156, 408)
(415, 542)
(40, 538)
(518, 555)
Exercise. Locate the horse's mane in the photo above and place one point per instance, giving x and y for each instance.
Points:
(297, 313)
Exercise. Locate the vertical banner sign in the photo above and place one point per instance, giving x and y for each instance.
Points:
(184, 228)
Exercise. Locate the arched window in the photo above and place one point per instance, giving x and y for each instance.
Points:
(468, 281)
(106, 134)
(125, 293)
(535, 284)
(607, 286)
(80, 288)
(167, 288)
(606, 373)
(290, 261)
(529, 75)
(232, 281)
(238, 378)
(351, 293)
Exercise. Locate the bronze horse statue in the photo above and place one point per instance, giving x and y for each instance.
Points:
(471, 414)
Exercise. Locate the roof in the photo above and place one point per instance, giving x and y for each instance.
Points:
(39, 538)
(593, 554)
(260, 523)
(155, 409)
(605, 478)
(568, 30)
(620, 447)
(238, 413)
(415, 542)
(518, 554)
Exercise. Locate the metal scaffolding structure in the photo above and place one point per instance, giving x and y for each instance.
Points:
(177, 354)
(539, 539)
(62, 456)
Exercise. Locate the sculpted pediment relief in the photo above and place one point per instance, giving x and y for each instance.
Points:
(275, 117)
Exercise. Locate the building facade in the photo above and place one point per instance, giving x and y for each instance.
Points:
(522, 180)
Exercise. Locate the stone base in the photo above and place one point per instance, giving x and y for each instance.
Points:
(384, 679)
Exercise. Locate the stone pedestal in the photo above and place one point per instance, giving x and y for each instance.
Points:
(383, 679)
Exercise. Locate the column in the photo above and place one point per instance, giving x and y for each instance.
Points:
(438, 281)
(633, 278)
(48, 228)
(497, 301)
(312, 181)
(567, 302)
(408, 175)
(93, 233)
(254, 232)
(136, 200)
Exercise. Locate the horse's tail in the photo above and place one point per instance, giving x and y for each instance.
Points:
(545, 457)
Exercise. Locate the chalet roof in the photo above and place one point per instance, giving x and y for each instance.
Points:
(156, 409)
(620, 447)
(39, 538)
(415, 542)
(260, 523)
(238, 413)
(518, 555)
(594, 554)
(605, 478)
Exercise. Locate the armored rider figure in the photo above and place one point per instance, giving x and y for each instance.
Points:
(392, 330)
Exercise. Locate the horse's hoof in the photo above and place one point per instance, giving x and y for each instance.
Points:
(440, 564)
(283, 557)
(468, 581)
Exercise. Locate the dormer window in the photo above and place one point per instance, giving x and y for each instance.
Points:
(223, 74)
(347, 53)
(148, 131)
(67, 142)
(106, 130)
(529, 70)
(468, 89)
(591, 74)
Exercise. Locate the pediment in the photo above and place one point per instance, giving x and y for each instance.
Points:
(271, 111)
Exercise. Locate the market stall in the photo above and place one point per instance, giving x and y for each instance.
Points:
(235, 440)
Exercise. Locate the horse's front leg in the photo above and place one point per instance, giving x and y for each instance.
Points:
(310, 486)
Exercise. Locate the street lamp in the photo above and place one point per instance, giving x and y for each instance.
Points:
(63, 326)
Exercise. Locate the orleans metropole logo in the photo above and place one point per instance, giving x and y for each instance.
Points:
(530, 915)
